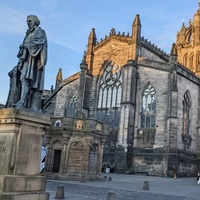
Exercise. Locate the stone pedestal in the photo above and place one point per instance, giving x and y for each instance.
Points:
(20, 150)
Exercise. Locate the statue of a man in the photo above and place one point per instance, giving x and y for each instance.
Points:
(32, 60)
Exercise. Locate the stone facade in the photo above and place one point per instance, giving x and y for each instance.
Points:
(20, 148)
(149, 99)
(75, 148)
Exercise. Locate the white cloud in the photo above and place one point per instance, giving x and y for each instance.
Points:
(13, 20)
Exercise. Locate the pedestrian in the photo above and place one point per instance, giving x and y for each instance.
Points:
(198, 178)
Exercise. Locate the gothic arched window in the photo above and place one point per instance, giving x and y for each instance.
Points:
(186, 113)
(148, 110)
(188, 37)
(71, 106)
(110, 89)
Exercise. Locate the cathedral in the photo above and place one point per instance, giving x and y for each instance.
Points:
(142, 103)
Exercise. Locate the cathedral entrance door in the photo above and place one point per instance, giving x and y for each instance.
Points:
(56, 162)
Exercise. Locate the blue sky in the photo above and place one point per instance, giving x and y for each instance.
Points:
(68, 24)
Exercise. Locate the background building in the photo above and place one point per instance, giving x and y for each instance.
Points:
(150, 99)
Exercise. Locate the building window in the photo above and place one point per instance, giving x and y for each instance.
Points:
(71, 106)
(186, 113)
(148, 110)
(110, 89)
(185, 60)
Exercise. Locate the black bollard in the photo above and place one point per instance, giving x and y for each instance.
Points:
(146, 185)
(111, 196)
(60, 192)
(110, 179)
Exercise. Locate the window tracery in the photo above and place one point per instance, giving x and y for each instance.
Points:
(148, 110)
(186, 113)
(71, 106)
(110, 95)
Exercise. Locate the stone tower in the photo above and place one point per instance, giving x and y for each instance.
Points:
(59, 78)
(149, 100)
(188, 44)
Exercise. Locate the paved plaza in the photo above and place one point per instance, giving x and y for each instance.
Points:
(128, 187)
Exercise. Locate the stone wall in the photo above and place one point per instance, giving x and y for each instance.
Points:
(155, 157)
(183, 85)
(144, 53)
(79, 145)
(149, 161)
(64, 96)
(159, 150)
(159, 79)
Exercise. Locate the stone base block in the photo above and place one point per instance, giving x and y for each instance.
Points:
(9, 183)
(74, 177)
(24, 196)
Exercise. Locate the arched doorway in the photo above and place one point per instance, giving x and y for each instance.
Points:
(57, 149)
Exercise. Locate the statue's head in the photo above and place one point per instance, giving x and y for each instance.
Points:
(33, 18)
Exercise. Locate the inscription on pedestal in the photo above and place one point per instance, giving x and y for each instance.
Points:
(6, 140)
(2, 146)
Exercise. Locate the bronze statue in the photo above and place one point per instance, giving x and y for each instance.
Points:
(32, 60)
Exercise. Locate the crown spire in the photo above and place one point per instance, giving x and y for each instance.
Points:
(136, 28)
(58, 78)
(92, 40)
(137, 21)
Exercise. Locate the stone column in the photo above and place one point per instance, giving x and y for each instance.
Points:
(20, 151)
(52, 159)
(172, 104)
(127, 118)
(64, 150)
(171, 159)
(48, 155)
(125, 136)
(87, 153)
(81, 90)
(103, 141)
